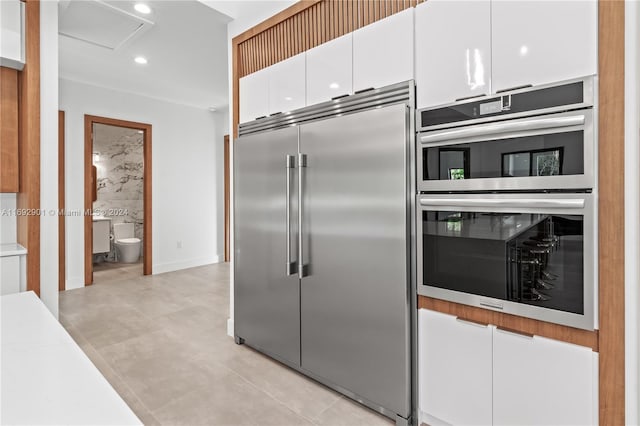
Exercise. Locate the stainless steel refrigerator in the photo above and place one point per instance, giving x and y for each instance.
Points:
(323, 230)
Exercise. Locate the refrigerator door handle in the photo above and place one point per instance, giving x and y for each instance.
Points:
(302, 165)
(291, 265)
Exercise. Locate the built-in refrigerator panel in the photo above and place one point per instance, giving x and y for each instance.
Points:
(355, 294)
(267, 289)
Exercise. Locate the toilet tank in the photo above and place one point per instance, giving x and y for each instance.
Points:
(123, 230)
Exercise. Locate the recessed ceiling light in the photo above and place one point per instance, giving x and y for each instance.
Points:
(140, 60)
(334, 86)
(142, 8)
(212, 109)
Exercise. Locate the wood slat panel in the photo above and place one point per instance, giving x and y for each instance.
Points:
(315, 23)
(611, 211)
(512, 322)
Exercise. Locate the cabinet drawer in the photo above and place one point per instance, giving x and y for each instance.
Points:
(455, 369)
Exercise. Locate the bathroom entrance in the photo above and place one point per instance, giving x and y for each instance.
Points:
(117, 198)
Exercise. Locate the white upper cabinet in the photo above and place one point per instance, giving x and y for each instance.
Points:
(254, 95)
(329, 70)
(455, 370)
(453, 50)
(539, 381)
(537, 42)
(287, 85)
(12, 34)
(383, 52)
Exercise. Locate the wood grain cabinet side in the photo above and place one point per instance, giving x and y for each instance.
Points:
(9, 179)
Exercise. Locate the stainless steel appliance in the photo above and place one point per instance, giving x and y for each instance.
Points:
(505, 210)
(531, 255)
(526, 139)
(323, 225)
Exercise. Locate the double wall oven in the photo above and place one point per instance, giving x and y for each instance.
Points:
(506, 216)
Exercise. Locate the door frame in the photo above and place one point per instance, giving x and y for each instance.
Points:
(227, 195)
(61, 205)
(89, 121)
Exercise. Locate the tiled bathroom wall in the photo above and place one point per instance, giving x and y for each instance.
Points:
(119, 175)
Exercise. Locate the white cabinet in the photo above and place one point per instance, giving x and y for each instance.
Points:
(452, 64)
(468, 48)
(254, 95)
(101, 235)
(454, 370)
(287, 84)
(13, 268)
(9, 275)
(536, 42)
(383, 52)
(12, 34)
(539, 381)
(474, 374)
(329, 70)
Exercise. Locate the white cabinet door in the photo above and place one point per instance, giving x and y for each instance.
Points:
(12, 34)
(536, 42)
(538, 381)
(452, 64)
(287, 85)
(254, 95)
(329, 70)
(383, 52)
(9, 275)
(454, 370)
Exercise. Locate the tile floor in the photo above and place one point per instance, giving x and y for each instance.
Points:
(161, 342)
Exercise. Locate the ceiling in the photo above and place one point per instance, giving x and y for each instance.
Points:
(185, 43)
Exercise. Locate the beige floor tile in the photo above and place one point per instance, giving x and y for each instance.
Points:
(301, 394)
(161, 342)
(120, 386)
(345, 412)
(157, 367)
(230, 400)
(104, 330)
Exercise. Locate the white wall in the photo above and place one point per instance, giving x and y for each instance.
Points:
(187, 167)
(49, 155)
(8, 220)
(632, 209)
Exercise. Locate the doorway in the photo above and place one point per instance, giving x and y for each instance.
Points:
(129, 173)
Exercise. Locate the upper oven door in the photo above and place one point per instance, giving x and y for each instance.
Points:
(554, 151)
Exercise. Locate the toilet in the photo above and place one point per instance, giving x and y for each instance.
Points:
(127, 246)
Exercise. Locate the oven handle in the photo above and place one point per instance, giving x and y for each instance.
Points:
(504, 127)
(516, 202)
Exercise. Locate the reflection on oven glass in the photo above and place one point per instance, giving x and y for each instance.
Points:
(547, 162)
(454, 223)
(535, 259)
(456, 173)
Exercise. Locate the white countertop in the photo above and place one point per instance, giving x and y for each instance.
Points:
(45, 376)
(12, 249)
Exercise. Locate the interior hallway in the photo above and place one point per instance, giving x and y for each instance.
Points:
(161, 342)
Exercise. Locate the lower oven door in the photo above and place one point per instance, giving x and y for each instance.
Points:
(531, 255)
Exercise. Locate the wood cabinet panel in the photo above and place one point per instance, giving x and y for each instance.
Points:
(9, 170)
(513, 322)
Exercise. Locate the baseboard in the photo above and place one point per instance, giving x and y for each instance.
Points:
(160, 268)
(230, 328)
